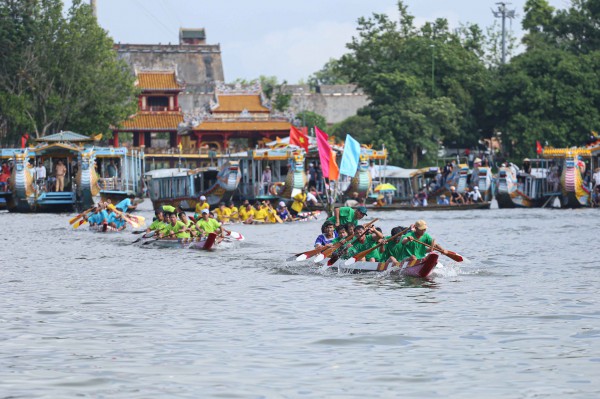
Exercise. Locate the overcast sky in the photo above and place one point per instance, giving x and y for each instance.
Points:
(282, 38)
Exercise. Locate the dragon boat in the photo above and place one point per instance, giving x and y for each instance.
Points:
(183, 187)
(210, 241)
(422, 268)
(575, 193)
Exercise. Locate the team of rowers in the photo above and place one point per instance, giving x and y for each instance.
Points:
(403, 243)
(260, 212)
(106, 215)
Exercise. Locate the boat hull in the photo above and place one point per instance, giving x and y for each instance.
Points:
(204, 243)
(421, 269)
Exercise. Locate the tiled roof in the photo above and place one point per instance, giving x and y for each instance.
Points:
(152, 122)
(237, 103)
(243, 126)
(65, 136)
(158, 81)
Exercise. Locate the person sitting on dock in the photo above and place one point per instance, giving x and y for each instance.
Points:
(412, 250)
(345, 214)
(455, 197)
(127, 204)
(328, 234)
(200, 205)
(443, 200)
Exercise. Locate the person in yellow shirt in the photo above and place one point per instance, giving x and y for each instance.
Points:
(235, 214)
(260, 213)
(271, 213)
(247, 213)
(200, 205)
(298, 204)
(223, 213)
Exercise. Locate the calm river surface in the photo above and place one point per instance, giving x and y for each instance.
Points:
(89, 315)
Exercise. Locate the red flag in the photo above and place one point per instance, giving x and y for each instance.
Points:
(24, 139)
(299, 137)
(324, 150)
(538, 147)
(334, 170)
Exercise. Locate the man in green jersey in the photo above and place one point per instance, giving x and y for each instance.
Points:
(414, 250)
(158, 223)
(175, 228)
(365, 239)
(210, 225)
(345, 214)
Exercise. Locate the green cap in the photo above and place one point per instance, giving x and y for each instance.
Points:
(362, 210)
(168, 208)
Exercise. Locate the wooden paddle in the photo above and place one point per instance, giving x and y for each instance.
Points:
(452, 255)
(364, 253)
(133, 223)
(310, 253)
(147, 235)
(79, 223)
(329, 251)
(82, 214)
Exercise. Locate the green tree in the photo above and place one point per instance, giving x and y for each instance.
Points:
(60, 72)
(425, 84)
(311, 119)
(330, 74)
(272, 90)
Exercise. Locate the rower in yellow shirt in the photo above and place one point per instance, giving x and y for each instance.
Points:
(223, 213)
(235, 214)
(260, 213)
(200, 205)
(246, 213)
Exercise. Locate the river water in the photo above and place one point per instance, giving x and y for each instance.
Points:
(90, 315)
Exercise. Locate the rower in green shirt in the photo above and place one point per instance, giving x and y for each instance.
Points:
(365, 241)
(345, 214)
(158, 223)
(414, 250)
(210, 225)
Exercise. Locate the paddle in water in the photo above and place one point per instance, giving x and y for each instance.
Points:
(452, 255)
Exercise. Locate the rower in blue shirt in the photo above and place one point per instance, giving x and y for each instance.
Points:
(126, 205)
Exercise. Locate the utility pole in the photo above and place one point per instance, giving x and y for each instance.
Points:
(94, 9)
(503, 13)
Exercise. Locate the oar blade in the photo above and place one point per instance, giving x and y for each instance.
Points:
(454, 256)
(350, 261)
(74, 219)
(301, 258)
(79, 223)
(319, 258)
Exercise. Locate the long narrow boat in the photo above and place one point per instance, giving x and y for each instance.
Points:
(422, 268)
(204, 243)
(432, 207)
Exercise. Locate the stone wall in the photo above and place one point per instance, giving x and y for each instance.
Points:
(334, 102)
(199, 66)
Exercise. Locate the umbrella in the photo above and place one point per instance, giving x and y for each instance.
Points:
(384, 187)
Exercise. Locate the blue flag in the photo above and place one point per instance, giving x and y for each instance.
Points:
(350, 158)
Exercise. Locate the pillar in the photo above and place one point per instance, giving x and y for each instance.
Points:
(148, 140)
(115, 139)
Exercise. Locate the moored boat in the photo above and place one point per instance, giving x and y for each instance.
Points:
(432, 207)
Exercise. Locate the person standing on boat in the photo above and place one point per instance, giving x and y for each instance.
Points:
(200, 206)
(413, 250)
(127, 204)
(298, 204)
(476, 195)
(60, 171)
(266, 180)
(328, 234)
(345, 214)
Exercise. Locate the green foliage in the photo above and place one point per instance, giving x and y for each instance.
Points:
(330, 74)
(310, 119)
(425, 85)
(273, 90)
(60, 72)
